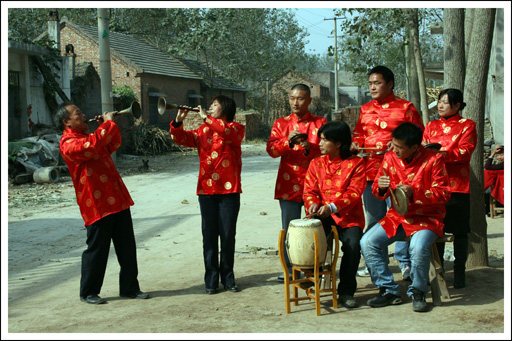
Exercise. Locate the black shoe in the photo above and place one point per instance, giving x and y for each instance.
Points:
(383, 299)
(348, 301)
(140, 294)
(92, 299)
(418, 301)
(232, 288)
(459, 280)
(211, 291)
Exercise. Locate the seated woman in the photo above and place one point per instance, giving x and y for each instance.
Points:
(332, 192)
(494, 178)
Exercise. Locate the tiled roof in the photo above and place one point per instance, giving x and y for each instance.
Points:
(219, 80)
(144, 56)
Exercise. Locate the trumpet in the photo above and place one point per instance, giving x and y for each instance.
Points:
(134, 110)
(163, 106)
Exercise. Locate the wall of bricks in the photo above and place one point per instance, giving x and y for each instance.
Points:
(251, 121)
(349, 115)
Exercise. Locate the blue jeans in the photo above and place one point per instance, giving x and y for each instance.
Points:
(374, 245)
(376, 209)
(290, 210)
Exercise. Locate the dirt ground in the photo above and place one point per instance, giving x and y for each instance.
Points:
(41, 257)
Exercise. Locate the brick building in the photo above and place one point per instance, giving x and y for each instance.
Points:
(149, 72)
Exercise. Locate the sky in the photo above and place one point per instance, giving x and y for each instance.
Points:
(321, 31)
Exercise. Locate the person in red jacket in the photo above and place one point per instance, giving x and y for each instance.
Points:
(295, 156)
(218, 142)
(103, 199)
(421, 174)
(377, 119)
(457, 136)
(332, 192)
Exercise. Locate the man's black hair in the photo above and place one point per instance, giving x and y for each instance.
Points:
(409, 133)
(386, 73)
(302, 86)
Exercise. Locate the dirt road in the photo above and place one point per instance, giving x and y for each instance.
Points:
(46, 238)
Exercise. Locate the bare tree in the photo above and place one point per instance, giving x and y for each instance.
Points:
(468, 27)
(412, 19)
(474, 91)
(454, 56)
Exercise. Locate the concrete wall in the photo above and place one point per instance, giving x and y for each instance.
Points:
(495, 100)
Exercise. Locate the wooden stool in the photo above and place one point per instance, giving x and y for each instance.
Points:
(438, 285)
(492, 207)
(311, 275)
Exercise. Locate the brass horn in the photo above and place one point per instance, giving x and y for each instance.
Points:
(134, 110)
(163, 106)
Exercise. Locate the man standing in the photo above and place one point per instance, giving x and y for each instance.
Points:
(103, 199)
(421, 174)
(372, 135)
(296, 153)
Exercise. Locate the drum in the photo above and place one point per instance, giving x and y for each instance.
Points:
(300, 242)
(400, 201)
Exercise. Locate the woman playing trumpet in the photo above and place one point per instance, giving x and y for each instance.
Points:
(218, 141)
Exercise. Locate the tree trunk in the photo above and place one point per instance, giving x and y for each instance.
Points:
(468, 28)
(412, 18)
(412, 73)
(474, 92)
(454, 55)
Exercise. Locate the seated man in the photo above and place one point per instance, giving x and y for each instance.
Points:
(421, 174)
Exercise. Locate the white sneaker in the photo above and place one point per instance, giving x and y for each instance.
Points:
(364, 272)
(406, 272)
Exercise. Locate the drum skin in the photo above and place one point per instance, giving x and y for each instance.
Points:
(300, 242)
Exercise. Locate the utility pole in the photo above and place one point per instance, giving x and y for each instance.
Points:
(267, 106)
(105, 68)
(335, 64)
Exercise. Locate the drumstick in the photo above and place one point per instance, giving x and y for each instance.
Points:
(368, 148)
(309, 216)
(392, 193)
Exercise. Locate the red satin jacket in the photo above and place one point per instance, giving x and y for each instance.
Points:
(220, 154)
(340, 182)
(376, 123)
(294, 161)
(458, 138)
(99, 189)
(427, 176)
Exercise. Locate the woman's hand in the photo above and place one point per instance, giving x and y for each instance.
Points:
(202, 112)
(182, 114)
(324, 211)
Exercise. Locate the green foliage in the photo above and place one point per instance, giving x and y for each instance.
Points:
(123, 95)
(377, 36)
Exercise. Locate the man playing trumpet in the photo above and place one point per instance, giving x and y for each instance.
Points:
(103, 199)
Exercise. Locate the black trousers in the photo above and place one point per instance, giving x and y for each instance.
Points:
(351, 248)
(219, 214)
(456, 221)
(117, 227)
